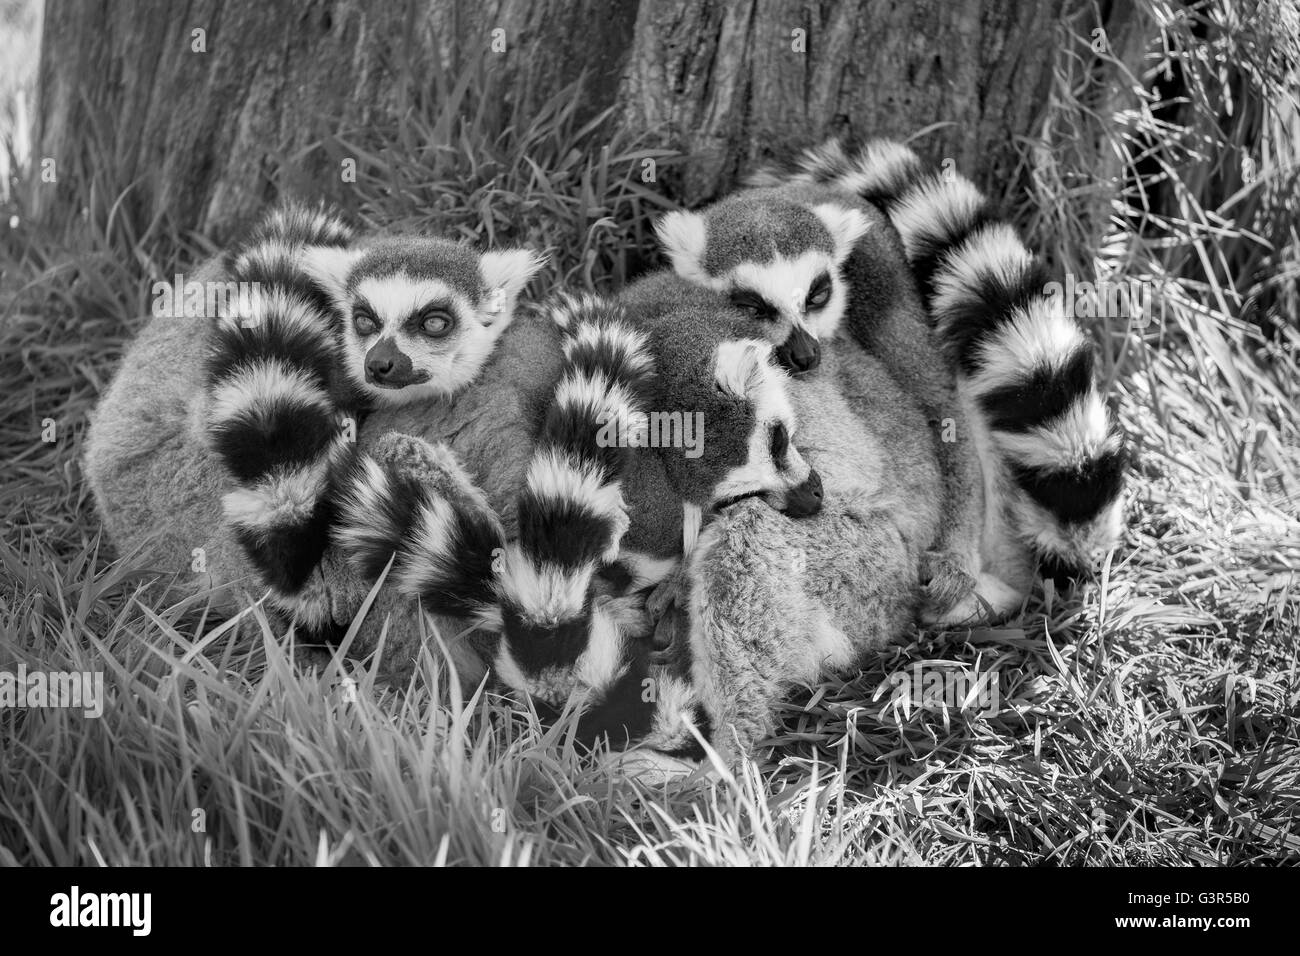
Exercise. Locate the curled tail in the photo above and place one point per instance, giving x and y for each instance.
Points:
(274, 415)
(1025, 365)
(571, 513)
(413, 504)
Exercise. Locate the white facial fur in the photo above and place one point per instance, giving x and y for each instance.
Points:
(445, 364)
(784, 282)
(743, 368)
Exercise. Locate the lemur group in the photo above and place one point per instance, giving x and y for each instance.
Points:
(901, 427)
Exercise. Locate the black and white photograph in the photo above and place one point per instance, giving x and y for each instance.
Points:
(649, 433)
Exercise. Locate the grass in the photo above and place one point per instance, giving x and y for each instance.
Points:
(1149, 717)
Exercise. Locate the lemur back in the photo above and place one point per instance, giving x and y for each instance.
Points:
(157, 473)
(156, 483)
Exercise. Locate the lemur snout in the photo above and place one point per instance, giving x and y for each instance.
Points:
(388, 366)
(799, 353)
(805, 499)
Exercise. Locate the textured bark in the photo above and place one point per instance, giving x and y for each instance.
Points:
(206, 137)
(725, 82)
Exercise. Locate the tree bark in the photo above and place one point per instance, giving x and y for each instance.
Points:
(204, 136)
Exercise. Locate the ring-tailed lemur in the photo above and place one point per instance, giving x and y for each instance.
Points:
(803, 261)
(254, 395)
(411, 323)
(1048, 443)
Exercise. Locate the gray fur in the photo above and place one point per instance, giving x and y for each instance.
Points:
(491, 427)
(455, 264)
(746, 228)
(777, 602)
(157, 485)
(885, 316)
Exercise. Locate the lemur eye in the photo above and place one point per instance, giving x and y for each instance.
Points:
(820, 293)
(364, 321)
(436, 322)
(753, 306)
(779, 444)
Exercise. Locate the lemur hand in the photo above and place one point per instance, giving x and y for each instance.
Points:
(945, 582)
(664, 595)
(433, 465)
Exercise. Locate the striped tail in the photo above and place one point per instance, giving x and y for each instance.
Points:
(571, 513)
(274, 409)
(414, 504)
(1025, 365)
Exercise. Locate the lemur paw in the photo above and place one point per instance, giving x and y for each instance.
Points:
(946, 582)
(436, 467)
(990, 600)
(665, 593)
(671, 627)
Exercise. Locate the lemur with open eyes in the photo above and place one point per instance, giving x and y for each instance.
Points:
(217, 448)
(1052, 454)
(805, 262)
(428, 345)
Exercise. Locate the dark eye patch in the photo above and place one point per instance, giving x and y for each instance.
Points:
(413, 322)
(820, 291)
(364, 320)
(779, 445)
(754, 303)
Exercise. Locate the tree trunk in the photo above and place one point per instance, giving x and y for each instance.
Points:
(202, 124)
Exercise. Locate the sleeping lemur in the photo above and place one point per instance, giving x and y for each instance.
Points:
(1052, 455)
(802, 261)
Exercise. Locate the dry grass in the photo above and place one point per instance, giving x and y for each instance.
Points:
(1151, 717)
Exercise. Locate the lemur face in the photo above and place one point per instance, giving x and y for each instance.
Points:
(749, 431)
(778, 260)
(421, 316)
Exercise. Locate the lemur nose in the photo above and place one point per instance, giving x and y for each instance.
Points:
(380, 367)
(806, 361)
(799, 352)
(805, 500)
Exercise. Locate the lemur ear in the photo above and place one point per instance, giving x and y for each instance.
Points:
(682, 234)
(740, 366)
(330, 266)
(505, 272)
(846, 226)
